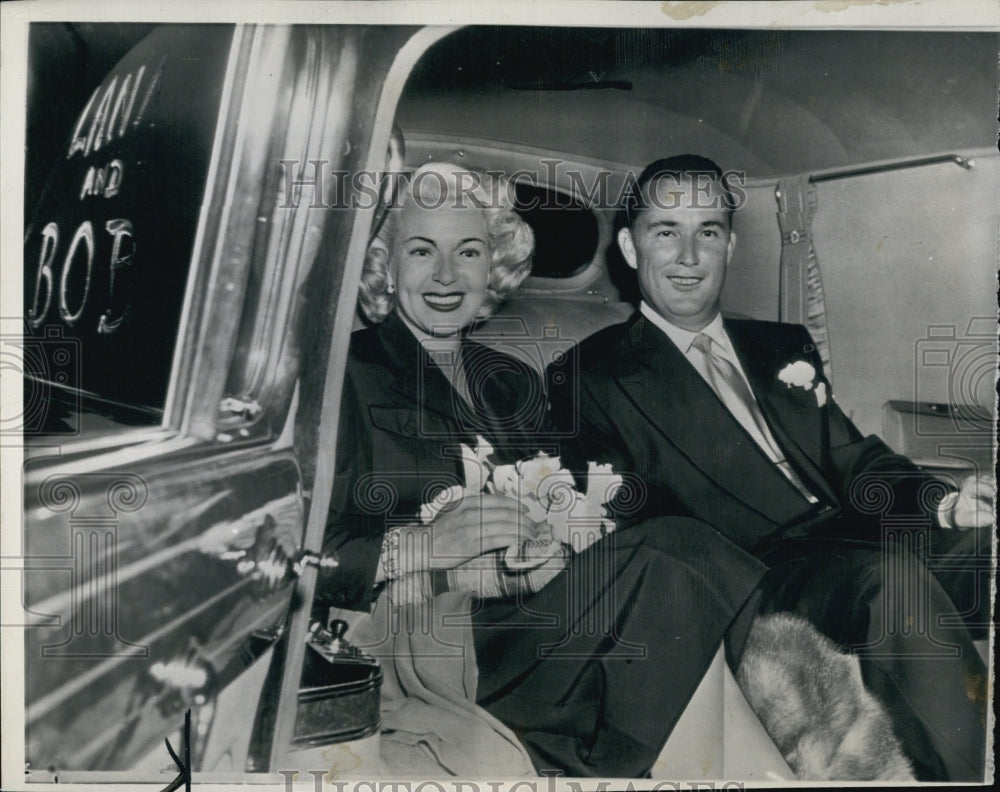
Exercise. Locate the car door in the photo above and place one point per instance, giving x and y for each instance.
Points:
(183, 278)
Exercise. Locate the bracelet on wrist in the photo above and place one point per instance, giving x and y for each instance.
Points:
(390, 553)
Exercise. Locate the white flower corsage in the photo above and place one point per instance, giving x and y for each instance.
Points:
(802, 375)
(548, 491)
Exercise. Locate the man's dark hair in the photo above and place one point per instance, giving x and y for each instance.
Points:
(677, 167)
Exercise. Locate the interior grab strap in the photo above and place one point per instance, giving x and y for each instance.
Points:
(801, 283)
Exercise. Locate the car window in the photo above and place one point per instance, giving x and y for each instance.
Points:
(566, 231)
(108, 250)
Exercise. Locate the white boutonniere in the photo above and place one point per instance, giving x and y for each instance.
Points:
(802, 375)
(799, 373)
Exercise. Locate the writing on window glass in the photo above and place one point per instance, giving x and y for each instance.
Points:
(67, 260)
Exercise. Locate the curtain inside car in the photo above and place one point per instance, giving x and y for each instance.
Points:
(801, 283)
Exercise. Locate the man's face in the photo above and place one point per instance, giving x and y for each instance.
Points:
(680, 246)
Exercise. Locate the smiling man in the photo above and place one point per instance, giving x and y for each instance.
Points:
(681, 232)
(732, 422)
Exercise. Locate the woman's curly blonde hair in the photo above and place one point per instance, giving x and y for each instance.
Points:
(511, 240)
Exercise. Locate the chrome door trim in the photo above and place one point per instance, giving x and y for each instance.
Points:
(392, 89)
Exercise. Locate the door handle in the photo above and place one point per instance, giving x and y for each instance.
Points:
(264, 544)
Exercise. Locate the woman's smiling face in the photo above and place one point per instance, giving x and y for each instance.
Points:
(441, 266)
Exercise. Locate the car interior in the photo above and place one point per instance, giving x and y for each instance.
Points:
(574, 111)
(869, 168)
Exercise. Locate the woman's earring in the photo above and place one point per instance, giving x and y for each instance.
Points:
(391, 288)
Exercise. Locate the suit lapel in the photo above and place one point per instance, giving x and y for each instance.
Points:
(669, 392)
(791, 412)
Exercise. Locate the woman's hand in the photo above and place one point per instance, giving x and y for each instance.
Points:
(478, 524)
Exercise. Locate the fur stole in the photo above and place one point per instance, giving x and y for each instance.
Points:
(810, 698)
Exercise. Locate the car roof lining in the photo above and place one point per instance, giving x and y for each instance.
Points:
(769, 102)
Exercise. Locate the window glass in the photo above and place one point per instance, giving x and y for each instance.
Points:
(566, 232)
(108, 248)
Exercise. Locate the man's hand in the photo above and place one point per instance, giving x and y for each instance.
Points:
(974, 505)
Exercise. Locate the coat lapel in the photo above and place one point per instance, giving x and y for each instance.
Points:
(665, 387)
(509, 406)
(792, 413)
(419, 388)
(499, 390)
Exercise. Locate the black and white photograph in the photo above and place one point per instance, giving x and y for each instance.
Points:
(537, 396)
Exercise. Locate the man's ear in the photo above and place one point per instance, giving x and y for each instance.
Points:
(730, 247)
(627, 247)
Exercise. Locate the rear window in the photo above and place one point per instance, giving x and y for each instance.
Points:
(566, 231)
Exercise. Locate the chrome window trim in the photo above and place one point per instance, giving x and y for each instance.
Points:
(289, 249)
(322, 484)
(120, 441)
(217, 300)
(158, 443)
(218, 163)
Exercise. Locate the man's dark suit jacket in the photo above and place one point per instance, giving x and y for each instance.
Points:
(629, 396)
